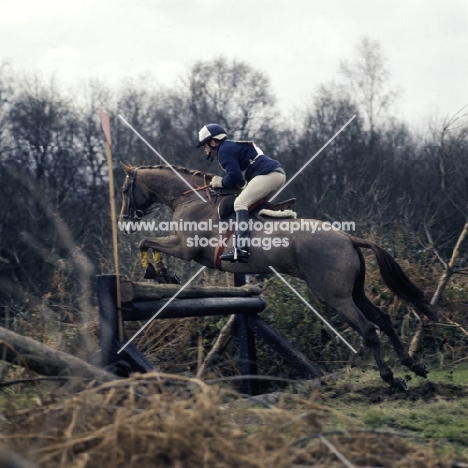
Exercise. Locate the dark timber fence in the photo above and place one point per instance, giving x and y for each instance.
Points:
(141, 301)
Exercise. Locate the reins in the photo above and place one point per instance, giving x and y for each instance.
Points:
(205, 187)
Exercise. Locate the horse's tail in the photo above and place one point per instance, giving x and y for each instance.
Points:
(396, 279)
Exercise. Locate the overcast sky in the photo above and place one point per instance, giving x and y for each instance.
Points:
(298, 44)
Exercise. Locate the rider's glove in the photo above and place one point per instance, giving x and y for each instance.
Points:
(216, 182)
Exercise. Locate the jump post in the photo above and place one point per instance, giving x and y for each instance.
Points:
(141, 301)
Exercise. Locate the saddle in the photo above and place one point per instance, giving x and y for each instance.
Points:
(260, 210)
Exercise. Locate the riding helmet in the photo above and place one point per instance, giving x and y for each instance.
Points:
(209, 132)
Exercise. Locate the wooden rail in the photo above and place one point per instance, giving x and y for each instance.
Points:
(141, 301)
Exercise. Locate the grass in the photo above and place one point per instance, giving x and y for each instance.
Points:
(435, 410)
(292, 423)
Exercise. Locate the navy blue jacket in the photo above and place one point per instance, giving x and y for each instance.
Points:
(242, 160)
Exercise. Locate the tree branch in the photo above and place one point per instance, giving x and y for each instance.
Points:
(39, 358)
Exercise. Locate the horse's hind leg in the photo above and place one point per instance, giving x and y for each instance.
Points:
(383, 321)
(355, 318)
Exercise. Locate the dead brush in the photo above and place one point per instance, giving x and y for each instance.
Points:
(144, 421)
(166, 343)
(161, 420)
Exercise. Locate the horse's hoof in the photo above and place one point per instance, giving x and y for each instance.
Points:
(163, 276)
(400, 384)
(174, 279)
(150, 272)
(420, 369)
(142, 246)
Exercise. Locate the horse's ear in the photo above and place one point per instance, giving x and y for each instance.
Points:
(126, 167)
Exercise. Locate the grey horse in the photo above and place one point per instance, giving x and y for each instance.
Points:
(329, 261)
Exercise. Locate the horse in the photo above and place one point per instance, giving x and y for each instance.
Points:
(329, 261)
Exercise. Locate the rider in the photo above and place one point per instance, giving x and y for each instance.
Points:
(249, 169)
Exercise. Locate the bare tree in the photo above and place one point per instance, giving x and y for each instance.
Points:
(233, 94)
(451, 155)
(368, 79)
(449, 221)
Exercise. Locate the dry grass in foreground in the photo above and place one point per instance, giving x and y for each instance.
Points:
(156, 420)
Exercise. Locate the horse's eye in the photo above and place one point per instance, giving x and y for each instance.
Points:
(124, 191)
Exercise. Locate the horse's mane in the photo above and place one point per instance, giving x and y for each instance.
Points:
(178, 168)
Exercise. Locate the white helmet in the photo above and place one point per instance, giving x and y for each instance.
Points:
(209, 132)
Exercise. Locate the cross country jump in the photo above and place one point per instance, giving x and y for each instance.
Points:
(330, 262)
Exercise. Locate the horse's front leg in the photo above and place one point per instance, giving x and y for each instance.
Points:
(170, 245)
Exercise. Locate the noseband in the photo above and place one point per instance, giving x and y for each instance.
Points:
(137, 214)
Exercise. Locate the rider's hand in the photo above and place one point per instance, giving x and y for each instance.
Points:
(216, 182)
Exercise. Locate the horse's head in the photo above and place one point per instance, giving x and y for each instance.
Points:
(135, 197)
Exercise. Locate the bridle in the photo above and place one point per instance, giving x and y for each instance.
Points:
(137, 214)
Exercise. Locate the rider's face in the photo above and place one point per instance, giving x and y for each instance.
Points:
(211, 148)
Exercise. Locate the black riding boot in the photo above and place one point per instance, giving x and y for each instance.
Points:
(240, 252)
